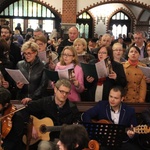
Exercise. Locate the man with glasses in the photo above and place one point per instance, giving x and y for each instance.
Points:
(56, 107)
(139, 41)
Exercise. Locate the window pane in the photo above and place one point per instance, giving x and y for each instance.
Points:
(11, 10)
(16, 21)
(15, 9)
(39, 10)
(86, 31)
(122, 16)
(48, 25)
(29, 8)
(43, 11)
(48, 13)
(126, 18)
(6, 11)
(20, 8)
(119, 30)
(124, 30)
(34, 9)
(33, 23)
(25, 8)
(84, 15)
(80, 16)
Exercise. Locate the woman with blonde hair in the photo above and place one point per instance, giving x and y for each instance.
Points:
(33, 70)
(80, 46)
(69, 60)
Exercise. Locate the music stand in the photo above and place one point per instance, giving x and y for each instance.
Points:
(109, 135)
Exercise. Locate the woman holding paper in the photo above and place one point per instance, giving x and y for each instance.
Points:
(68, 60)
(98, 89)
(80, 46)
(136, 85)
(47, 56)
(33, 70)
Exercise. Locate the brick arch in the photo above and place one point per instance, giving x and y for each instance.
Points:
(5, 3)
(133, 2)
(126, 11)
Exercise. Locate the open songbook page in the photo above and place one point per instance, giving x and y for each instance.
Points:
(17, 75)
(145, 70)
(61, 74)
(43, 56)
(98, 70)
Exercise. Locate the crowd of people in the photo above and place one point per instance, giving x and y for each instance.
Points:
(36, 52)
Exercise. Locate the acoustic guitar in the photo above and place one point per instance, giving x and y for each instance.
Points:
(140, 129)
(43, 127)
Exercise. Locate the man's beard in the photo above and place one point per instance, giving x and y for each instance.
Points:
(5, 38)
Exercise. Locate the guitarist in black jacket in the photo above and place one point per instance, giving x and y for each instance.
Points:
(57, 107)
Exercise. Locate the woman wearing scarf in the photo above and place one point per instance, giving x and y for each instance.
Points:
(136, 81)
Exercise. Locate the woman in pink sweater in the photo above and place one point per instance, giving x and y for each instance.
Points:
(69, 60)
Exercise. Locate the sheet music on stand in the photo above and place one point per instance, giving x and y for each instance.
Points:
(110, 135)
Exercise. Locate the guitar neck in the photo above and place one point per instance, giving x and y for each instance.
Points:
(140, 129)
(44, 128)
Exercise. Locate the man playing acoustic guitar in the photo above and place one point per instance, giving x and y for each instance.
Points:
(116, 112)
(56, 108)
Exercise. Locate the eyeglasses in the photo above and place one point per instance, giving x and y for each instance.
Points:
(63, 92)
(102, 52)
(67, 55)
(28, 54)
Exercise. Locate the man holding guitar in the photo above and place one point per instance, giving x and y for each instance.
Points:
(116, 112)
(57, 108)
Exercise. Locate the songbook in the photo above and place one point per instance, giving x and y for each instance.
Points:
(43, 56)
(17, 75)
(145, 70)
(61, 74)
(98, 70)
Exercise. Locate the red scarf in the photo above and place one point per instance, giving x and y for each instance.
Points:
(101, 81)
(133, 63)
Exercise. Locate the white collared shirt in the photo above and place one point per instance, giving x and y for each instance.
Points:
(115, 115)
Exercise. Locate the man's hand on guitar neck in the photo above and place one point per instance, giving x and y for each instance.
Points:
(34, 133)
(130, 132)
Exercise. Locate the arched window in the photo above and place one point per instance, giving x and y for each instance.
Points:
(33, 11)
(84, 24)
(120, 24)
(27, 8)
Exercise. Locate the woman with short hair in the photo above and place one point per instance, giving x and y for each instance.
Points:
(33, 69)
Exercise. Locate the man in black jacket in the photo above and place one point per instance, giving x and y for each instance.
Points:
(72, 35)
(58, 108)
(14, 50)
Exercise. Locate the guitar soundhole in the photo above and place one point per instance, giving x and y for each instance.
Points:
(43, 128)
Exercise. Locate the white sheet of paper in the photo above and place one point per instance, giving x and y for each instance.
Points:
(17, 75)
(101, 69)
(145, 70)
(42, 56)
